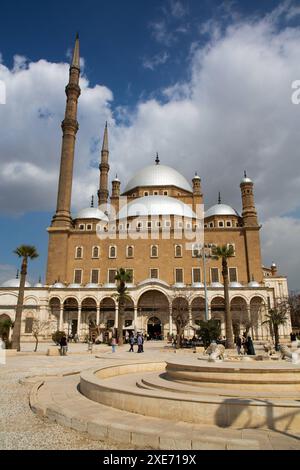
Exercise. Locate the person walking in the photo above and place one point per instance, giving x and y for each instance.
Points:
(63, 345)
(250, 346)
(131, 342)
(113, 344)
(140, 343)
(238, 343)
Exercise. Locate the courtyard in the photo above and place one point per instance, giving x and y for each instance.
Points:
(21, 428)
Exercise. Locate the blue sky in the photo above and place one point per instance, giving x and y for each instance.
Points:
(145, 62)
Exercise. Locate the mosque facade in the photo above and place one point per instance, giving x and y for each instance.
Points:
(156, 228)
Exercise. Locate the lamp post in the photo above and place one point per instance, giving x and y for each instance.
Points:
(202, 254)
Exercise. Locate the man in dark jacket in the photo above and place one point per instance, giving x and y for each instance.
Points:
(63, 345)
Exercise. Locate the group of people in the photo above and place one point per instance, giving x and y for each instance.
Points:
(139, 340)
(244, 344)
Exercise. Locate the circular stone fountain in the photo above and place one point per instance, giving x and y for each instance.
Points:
(255, 394)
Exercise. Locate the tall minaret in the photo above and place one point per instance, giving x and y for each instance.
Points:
(104, 169)
(249, 213)
(62, 217)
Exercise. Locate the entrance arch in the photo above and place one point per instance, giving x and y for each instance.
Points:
(240, 318)
(153, 304)
(154, 328)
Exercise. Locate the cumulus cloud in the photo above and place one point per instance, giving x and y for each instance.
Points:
(233, 113)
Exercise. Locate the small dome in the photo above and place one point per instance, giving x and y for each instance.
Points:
(58, 285)
(253, 284)
(156, 205)
(14, 283)
(197, 177)
(235, 285)
(221, 209)
(109, 286)
(91, 213)
(216, 284)
(92, 286)
(246, 180)
(197, 284)
(179, 285)
(38, 285)
(158, 175)
(74, 286)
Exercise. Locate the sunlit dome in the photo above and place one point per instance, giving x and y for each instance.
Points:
(235, 285)
(254, 284)
(91, 213)
(92, 285)
(216, 284)
(38, 285)
(221, 209)
(158, 175)
(156, 205)
(14, 283)
(58, 285)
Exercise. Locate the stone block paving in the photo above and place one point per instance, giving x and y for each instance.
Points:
(66, 428)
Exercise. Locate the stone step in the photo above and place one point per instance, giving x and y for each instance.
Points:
(60, 401)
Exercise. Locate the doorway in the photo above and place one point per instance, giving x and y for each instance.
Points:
(154, 328)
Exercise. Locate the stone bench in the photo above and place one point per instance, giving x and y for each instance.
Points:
(53, 351)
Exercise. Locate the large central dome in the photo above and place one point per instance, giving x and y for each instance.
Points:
(158, 175)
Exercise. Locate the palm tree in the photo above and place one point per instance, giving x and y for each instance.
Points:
(275, 318)
(25, 252)
(122, 277)
(224, 252)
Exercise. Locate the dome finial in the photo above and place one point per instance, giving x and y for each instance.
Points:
(92, 201)
(245, 174)
(18, 272)
(40, 280)
(219, 199)
(157, 161)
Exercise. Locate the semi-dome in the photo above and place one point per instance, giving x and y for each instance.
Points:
(246, 180)
(221, 209)
(158, 175)
(154, 206)
(91, 213)
(14, 283)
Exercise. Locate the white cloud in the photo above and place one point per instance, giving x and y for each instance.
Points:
(177, 9)
(153, 62)
(234, 113)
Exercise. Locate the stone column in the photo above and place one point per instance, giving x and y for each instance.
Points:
(170, 320)
(79, 321)
(135, 319)
(61, 318)
(98, 316)
(116, 316)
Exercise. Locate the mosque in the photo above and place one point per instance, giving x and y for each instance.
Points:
(157, 229)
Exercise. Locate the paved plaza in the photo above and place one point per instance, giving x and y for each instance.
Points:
(21, 428)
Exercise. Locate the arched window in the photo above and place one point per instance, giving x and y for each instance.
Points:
(178, 251)
(96, 251)
(154, 251)
(130, 251)
(79, 252)
(112, 252)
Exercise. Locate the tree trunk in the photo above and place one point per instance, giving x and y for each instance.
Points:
(228, 319)
(121, 321)
(276, 334)
(36, 343)
(16, 337)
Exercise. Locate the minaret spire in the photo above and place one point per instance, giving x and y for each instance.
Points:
(157, 160)
(70, 128)
(219, 199)
(103, 193)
